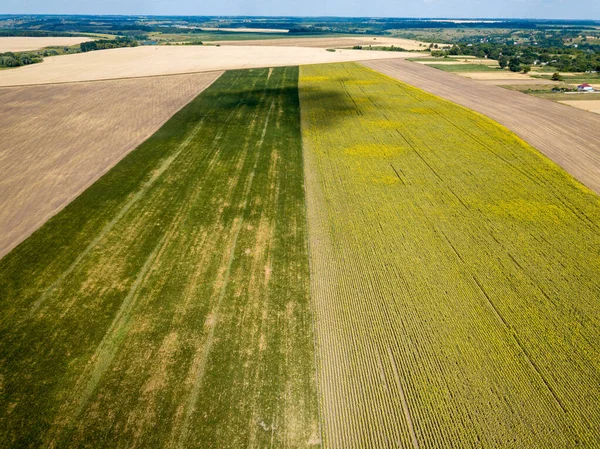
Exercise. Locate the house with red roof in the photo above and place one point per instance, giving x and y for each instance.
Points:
(585, 87)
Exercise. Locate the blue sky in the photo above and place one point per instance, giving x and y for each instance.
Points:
(555, 9)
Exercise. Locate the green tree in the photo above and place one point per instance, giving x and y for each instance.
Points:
(526, 68)
(514, 65)
(556, 77)
(503, 62)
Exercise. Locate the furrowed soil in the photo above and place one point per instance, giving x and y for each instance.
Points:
(57, 140)
(454, 274)
(168, 305)
(566, 135)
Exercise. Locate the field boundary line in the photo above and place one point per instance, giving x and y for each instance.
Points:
(123, 78)
(305, 168)
(110, 343)
(156, 174)
(134, 147)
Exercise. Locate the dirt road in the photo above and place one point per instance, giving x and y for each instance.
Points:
(568, 136)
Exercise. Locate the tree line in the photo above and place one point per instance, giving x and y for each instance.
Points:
(585, 58)
(104, 44)
(17, 59)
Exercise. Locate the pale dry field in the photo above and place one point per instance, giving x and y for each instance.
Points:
(333, 42)
(497, 75)
(568, 136)
(166, 60)
(487, 62)
(35, 43)
(246, 30)
(586, 105)
(57, 140)
(515, 82)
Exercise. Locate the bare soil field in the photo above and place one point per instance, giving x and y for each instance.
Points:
(35, 43)
(566, 135)
(57, 140)
(165, 60)
(586, 105)
(333, 42)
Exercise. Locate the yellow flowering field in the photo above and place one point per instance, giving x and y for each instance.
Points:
(455, 274)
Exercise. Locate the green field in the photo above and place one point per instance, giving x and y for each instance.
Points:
(168, 305)
(454, 274)
(464, 67)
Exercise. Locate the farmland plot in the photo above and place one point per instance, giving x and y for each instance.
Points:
(454, 274)
(167, 306)
(23, 43)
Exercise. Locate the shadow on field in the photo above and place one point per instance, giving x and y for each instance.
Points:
(329, 104)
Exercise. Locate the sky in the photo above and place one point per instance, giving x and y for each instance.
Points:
(541, 9)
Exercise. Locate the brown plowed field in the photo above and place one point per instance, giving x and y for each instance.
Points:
(568, 136)
(58, 139)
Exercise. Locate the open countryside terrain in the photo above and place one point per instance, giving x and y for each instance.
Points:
(59, 139)
(320, 256)
(168, 305)
(164, 60)
(453, 272)
(35, 43)
(566, 135)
